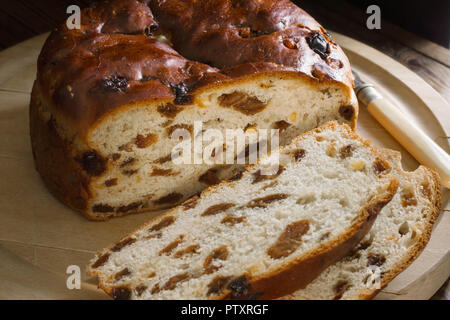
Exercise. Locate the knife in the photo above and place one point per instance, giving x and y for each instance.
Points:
(412, 138)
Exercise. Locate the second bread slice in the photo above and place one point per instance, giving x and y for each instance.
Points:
(257, 236)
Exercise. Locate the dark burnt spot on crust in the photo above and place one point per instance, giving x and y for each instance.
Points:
(140, 290)
(375, 259)
(209, 177)
(346, 151)
(289, 240)
(169, 110)
(346, 112)
(190, 250)
(165, 222)
(145, 141)
(111, 182)
(217, 208)
(167, 250)
(101, 260)
(258, 177)
(92, 163)
(381, 166)
(120, 245)
(299, 154)
(116, 156)
(239, 287)
(339, 289)
(264, 201)
(123, 273)
(231, 221)
(114, 83)
(220, 253)
(218, 284)
(102, 208)
(171, 198)
(121, 293)
(129, 207)
(242, 102)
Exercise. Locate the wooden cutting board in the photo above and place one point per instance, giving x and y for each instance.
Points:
(40, 237)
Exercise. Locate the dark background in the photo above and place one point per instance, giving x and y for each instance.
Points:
(22, 19)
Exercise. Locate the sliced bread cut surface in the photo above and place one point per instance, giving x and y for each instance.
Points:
(109, 95)
(253, 236)
(398, 236)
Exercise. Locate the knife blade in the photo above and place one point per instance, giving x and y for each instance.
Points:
(411, 137)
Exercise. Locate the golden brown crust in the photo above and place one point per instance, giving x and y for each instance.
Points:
(83, 76)
(52, 157)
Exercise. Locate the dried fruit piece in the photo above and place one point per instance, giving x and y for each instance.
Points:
(242, 102)
(289, 240)
(346, 112)
(165, 222)
(221, 253)
(264, 201)
(114, 84)
(125, 242)
(215, 209)
(318, 44)
(340, 287)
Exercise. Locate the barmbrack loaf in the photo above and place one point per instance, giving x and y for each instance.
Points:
(398, 236)
(109, 95)
(257, 236)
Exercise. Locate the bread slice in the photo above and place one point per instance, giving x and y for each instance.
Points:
(397, 237)
(253, 236)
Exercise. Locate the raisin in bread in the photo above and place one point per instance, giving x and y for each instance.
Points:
(398, 236)
(257, 236)
(108, 96)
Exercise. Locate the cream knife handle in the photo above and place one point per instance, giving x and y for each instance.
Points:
(413, 139)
